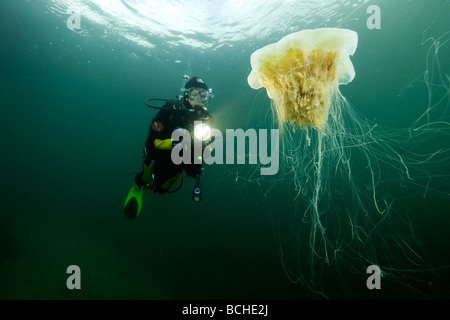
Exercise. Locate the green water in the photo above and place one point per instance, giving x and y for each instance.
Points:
(73, 125)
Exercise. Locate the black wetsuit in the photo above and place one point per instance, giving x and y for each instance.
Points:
(158, 147)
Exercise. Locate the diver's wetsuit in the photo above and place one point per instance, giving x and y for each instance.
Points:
(158, 146)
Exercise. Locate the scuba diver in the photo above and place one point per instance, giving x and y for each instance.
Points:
(159, 172)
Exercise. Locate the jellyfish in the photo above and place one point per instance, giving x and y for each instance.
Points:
(337, 171)
(303, 71)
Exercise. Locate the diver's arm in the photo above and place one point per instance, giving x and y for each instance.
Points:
(159, 131)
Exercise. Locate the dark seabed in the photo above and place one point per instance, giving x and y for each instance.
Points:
(73, 125)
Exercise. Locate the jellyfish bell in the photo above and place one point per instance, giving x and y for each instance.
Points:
(303, 71)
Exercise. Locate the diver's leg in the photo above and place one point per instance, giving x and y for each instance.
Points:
(133, 202)
(144, 177)
(165, 180)
(170, 182)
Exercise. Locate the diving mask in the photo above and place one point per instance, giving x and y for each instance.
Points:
(202, 96)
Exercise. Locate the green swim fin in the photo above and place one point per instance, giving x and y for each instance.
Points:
(133, 202)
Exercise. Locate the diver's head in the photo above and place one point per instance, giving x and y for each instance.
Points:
(197, 93)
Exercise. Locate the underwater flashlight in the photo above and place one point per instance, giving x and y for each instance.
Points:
(202, 132)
